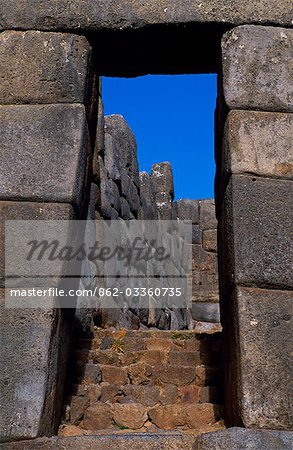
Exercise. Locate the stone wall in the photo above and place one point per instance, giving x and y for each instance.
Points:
(255, 216)
(121, 192)
(47, 108)
(48, 112)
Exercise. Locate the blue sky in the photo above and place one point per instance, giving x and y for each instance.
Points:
(172, 118)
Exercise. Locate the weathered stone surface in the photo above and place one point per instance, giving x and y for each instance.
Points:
(185, 415)
(205, 287)
(184, 358)
(28, 211)
(207, 375)
(98, 417)
(241, 438)
(162, 178)
(43, 152)
(258, 142)
(69, 14)
(188, 210)
(168, 394)
(118, 318)
(125, 144)
(189, 394)
(157, 344)
(130, 415)
(112, 158)
(206, 312)
(140, 373)
(196, 234)
(129, 191)
(106, 209)
(125, 209)
(33, 355)
(207, 214)
(78, 405)
(93, 392)
(70, 430)
(114, 375)
(99, 149)
(209, 240)
(94, 201)
(260, 209)
(147, 194)
(164, 205)
(177, 320)
(146, 395)
(262, 376)
(115, 196)
(257, 68)
(180, 376)
(43, 68)
(117, 441)
(92, 373)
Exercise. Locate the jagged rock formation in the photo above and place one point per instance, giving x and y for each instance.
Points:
(129, 194)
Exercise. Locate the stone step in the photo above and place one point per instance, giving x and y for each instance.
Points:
(107, 441)
(146, 380)
(81, 396)
(144, 373)
(152, 357)
(123, 341)
(136, 416)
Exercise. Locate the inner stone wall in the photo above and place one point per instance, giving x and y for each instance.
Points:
(121, 192)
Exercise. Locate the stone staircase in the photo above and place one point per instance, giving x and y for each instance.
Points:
(149, 382)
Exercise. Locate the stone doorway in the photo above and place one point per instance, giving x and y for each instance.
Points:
(148, 370)
(253, 184)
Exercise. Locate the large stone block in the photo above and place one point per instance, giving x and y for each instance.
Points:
(165, 206)
(207, 214)
(44, 68)
(240, 438)
(258, 142)
(193, 416)
(130, 192)
(112, 158)
(258, 67)
(206, 312)
(187, 210)
(209, 240)
(44, 151)
(255, 243)
(84, 14)
(34, 345)
(125, 144)
(147, 194)
(106, 441)
(162, 178)
(262, 379)
(28, 211)
(196, 234)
